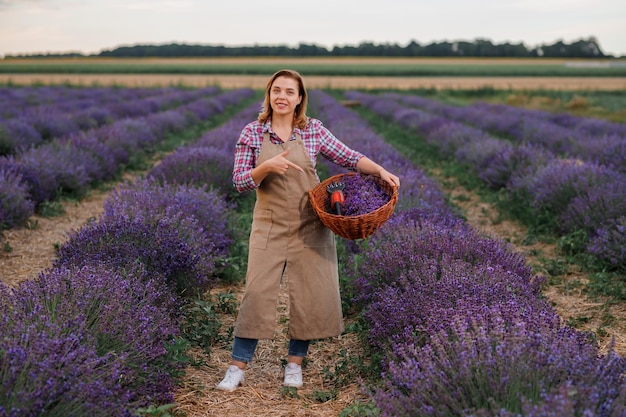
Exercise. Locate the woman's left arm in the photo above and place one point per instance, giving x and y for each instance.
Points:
(367, 166)
(336, 151)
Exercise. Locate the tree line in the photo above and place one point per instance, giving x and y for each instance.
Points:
(583, 48)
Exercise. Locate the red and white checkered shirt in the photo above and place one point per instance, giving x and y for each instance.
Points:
(317, 140)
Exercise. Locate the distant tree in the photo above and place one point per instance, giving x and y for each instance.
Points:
(440, 49)
(413, 49)
(310, 50)
(584, 48)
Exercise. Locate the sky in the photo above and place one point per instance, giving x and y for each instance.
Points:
(91, 26)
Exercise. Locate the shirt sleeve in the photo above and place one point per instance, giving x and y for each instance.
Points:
(245, 161)
(336, 151)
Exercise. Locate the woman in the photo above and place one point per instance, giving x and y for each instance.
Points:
(276, 156)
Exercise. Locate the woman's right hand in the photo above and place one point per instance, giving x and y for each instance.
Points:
(276, 165)
(280, 164)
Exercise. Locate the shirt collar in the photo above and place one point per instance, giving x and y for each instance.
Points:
(267, 127)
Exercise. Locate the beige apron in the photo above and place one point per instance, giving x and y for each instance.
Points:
(287, 236)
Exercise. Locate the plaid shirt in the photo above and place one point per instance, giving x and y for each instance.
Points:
(317, 140)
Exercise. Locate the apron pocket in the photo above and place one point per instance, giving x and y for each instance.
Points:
(261, 226)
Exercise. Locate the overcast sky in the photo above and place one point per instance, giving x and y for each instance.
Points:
(90, 26)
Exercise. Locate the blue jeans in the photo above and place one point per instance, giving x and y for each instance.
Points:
(243, 349)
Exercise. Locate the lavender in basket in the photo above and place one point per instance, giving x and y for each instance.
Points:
(363, 195)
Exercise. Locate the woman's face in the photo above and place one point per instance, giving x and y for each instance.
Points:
(284, 96)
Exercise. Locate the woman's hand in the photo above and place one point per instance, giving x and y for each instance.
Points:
(276, 165)
(393, 180)
(367, 166)
(279, 164)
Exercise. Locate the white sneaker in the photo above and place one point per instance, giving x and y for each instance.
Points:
(293, 375)
(233, 378)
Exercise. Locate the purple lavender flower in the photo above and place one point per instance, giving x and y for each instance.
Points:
(609, 243)
(553, 187)
(124, 243)
(499, 359)
(49, 365)
(15, 205)
(17, 134)
(196, 165)
(511, 164)
(362, 194)
(51, 123)
(200, 216)
(62, 168)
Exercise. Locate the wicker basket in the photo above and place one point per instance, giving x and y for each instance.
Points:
(352, 227)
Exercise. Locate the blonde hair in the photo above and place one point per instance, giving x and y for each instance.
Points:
(299, 117)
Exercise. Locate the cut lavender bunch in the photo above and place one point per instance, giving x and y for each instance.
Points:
(363, 195)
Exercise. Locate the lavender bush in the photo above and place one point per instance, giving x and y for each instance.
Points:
(497, 361)
(50, 123)
(112, 327)
(575, 195)
(37, 172)
(124, 243)
(592, 207)
(128, 140)
(98, 160)
(510, 162)
(197, 165)
(199, 215)
(416, 268)
(15, 205)
(17, 134)
(609, 243)
(51, 367)
(61, 167)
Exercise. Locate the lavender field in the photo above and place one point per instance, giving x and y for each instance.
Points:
(454, 321)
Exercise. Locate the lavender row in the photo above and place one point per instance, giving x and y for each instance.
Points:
(75, 163)
(99, 333)
(417, 188)
(210, 159)
(459, 317)
(567, 195)
(34, 126)
(581, 125)
(592, 140)
(16, 100)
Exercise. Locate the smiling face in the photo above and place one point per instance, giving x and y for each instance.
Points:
(284, 96)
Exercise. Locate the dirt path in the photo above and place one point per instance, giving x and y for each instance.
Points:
(262, 393)
(32, 249)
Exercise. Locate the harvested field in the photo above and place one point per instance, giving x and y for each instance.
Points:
(335, 82)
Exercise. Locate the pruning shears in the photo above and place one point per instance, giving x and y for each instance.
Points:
(337, 198)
